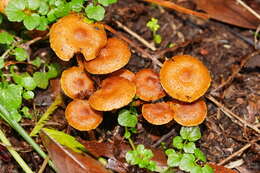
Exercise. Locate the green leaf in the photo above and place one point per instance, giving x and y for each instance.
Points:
(51, 15)
(2, 63)
(6, 38)
(170, 151)
(107, 2)
(14, 10)
(20, 54)
(187, 162)
(153, 25)
(37, 62)
(62, 10)
(43, 24)
(26, 113)
(196, 169)
(28, 95)
(11, 99)
(190, 133)
(41, 79)
(31, 22)
(157, 38)
(65, 140)
(174, 159)
(33, 4)
(53, 70)
(44, 8)
(95, 12)
(177, 142)
(207, 169)
(189, 147)
(25, 80)
(200, 155)
(127, 119)
(76, 5)
(1, 18)
(127, 135)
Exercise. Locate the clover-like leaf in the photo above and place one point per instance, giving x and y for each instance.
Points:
(196, 169)
(32, 21)
(6, 38)
(187, 162)
(174, 159)
(189, 147)
(107, 2)
(200, 155)
(14, 10)
(41, 79)
(207, 169)
(177, 142)
(127, 119)
(24, 80)
(96, 12)
(20, 54)
(190, 133)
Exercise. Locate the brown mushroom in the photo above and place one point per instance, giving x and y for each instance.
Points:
(189, 114)
(148, 87)
(115, 92)
(158, 113)
(114, 56)
(127, 74)
(185, 78)
(72, 34)
(76, 84)
(81, 116)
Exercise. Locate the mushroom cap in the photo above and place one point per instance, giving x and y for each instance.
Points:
(81, 116)
(71, 34)
(148, 87)
(112, 57)
(3, 4)
(185, 78)
(158, 113)
(124, 73)
(115, 92)
(189, 114)
(76, 84)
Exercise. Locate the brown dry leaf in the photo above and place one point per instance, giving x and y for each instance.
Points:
(231, 12)
(68, 161)
(221, 169)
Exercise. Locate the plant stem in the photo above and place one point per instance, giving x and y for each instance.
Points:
(130, 140)
(16, 156)
(7, 117)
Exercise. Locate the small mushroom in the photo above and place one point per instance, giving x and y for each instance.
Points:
(148, 87)
(185, 78)
(127, 74)
(189, 114)
(72, 34)
(81, 116)
(115, 92)
(158, 113)
(114, 56)
(76, 84)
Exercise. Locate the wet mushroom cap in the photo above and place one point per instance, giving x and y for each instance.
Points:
(72, 34)
(115, 92)
(127, 74)
(189, 114)
(185, 78)
(112, 57)
(148, 87)
(81, 116)
(158, 113)
(76, 84)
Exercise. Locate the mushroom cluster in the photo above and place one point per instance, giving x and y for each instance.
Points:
(184, 78)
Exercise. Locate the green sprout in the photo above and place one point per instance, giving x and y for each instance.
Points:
(154, 26)
(186, 155)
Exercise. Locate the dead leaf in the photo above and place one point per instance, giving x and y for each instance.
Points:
(231, 12)
(68, 161)
(221, 169)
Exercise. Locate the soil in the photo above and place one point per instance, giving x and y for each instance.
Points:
(225, 49)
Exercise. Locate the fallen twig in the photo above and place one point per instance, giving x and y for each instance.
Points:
(178, 8)
(164, 137)
(231, 115)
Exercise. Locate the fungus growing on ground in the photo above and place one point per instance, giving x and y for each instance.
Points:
(72, 34)
(127, 74)
(158, 113)
(112, 57)
(76, 84)
(189, 114)
(115, 92)
(81, 116)
(148, 87)
(185, 78)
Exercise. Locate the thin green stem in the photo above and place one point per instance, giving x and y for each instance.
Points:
(16, 156)
(8, 118)
(130, 140)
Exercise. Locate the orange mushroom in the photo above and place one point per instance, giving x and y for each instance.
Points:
(127, 74)
(189, 114)
(115, 92)
(81, 116)
(185, 78)
(158, 113)
(148, 87)
(72, 34)
(114, 56)
(3, 4)
(76, 84)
